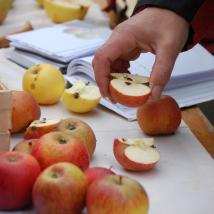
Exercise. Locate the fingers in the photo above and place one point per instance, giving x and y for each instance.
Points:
(162, 69)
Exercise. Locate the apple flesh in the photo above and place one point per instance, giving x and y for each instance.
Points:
(129, 89)
(24, 110)
(18, 172)
(25, 146)
(61, 188)
(136, 154)
(40, 127)
(94, 173)
(44, 82)
(80, 130)
(116, 194)
(159, 117)
(81, 97)
(55, 147)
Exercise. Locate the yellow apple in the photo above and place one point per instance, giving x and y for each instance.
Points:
(40, 3)
(81, 97)
(45, 83)
(4, 8)
(66, 10)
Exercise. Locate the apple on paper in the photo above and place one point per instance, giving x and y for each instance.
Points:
(81, 97)
(25, 146)
(57, 146)
(61, 188)
(94, 173)
(129, 89)
(4, 8)
(136, 154)
(40, 127)
(80, 130)
(159, 117)
(44, 82)
(18, 172)
(116, 194)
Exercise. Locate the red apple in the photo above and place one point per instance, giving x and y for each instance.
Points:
(116, 194)
(25, 110)
(61, 188)
(25, 146)
(80, 130)
(57, 146)
(40, 127)
(94, 173)
(159, 117)
(18, 172)
(136, 154)
(129, 89)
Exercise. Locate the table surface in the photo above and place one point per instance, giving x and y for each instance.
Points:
(182, 182)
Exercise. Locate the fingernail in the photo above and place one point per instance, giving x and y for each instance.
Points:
(156, 92)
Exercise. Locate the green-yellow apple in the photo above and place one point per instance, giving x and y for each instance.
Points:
(4, 8)
(25, 146)
(24, 110)
(80, 130)
(57, 146)
(81, 97)
(129, 89)
(18, 172)
(60, 11)
(116, 194)
(136, 154)
(60, 189)
(40, 127)
(159, 117)
(94, 173)
(45, 82)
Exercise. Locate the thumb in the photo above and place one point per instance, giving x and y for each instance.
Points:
(161, 70)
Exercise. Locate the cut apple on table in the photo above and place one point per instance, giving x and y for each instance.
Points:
(40, 127)
(25, 146)
(81, 97)
(131, 90)
(136, 154)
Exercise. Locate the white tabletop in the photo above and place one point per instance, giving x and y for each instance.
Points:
(181, 183)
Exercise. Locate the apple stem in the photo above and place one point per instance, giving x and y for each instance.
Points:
(62, 141)
(71, 127)
(120, 179)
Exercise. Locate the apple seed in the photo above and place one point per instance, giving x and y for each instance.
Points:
(127, 83)
(76, 95)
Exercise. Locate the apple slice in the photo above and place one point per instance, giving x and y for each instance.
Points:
(129, 89)
(40, 127)
(81, 97)
(136, 154)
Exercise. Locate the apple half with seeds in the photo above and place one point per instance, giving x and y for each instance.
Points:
(136, 154)
(131, 90)
(40, 127)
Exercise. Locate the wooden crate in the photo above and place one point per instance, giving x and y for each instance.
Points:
(5, 117)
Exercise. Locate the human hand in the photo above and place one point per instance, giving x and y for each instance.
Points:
(159, 31)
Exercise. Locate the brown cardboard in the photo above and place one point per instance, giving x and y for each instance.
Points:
(4, 141)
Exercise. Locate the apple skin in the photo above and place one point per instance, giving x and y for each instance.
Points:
(119, 154)
(94, 173)
(25, 146)
(34, 131)
(129, 101)
(57, 146)
(18, 172)
(24, 110)
(81, 130)
(60, 188)
(159, 117)
(116, 194)
(39, 80)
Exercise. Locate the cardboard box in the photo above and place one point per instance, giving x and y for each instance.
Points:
(4, 141)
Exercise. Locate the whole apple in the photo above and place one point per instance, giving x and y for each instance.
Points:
(80, 130)
(57, 146)
(116, 194)
(45, 83)
(24, 110)
(159, 117)
(18, 172)
(4, 8)
(25, 146)
(94, 173)
(60, 189)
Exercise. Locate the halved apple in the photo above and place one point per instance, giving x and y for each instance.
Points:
(40, 127)
(131, 90)
(81, 97)
(136, 154)
(25, 146)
